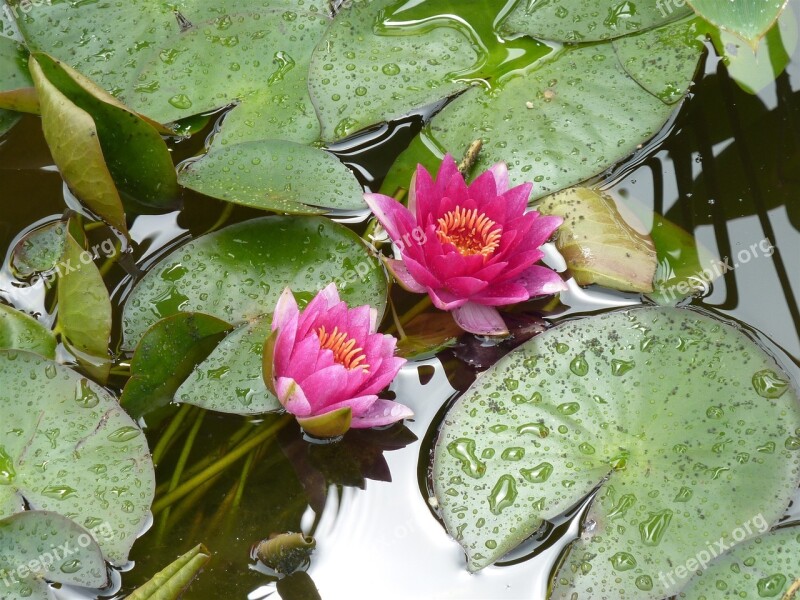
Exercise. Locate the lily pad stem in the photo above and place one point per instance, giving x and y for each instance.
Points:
(419, 308)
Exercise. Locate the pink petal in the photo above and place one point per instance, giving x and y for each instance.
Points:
(395, 218)
(291, 396)
(359, 405)
(400, 272)
(516, 200)
(541, 281)
(500, 172)
(382, 412)
(319, 305)
(543, 228)
(465, 287)
(357, 324)
(447, 170)
(304, 358)
(479, 319)
(325, 387)
(502, 294)
(444, 300)
(484, 187)
(384, 376)
(285, 309)
(422, 197)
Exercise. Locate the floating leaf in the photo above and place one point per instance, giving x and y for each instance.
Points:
(237, 274)
(754, 69)
(39, 545)
(71, 135)
(364, 72)
(275, 175)
(749, 19)
(681, 420)
(136, 155)
(70, 448)
(84, 307)
(168, 352)
(590, 20)
(663, 60)
(766, 567)
(171, 582)
(428, 334)
(597, 243)
(685, 266)
(23, 332)
(13, 77)
(570, 118)
(230, 379)
(40, 249)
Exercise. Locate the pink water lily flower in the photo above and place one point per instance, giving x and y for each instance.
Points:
(472, 247)
(327, 365)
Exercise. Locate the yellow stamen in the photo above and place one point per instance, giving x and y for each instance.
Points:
(470, 232)
(343, 348)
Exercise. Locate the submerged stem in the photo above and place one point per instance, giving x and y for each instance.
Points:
(166, 438)
(220, 465)
(419, 308)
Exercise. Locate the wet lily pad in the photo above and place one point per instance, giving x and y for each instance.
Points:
(597, 243)
(38, 545)
(230, 379)
(23, 332)
(686, 426)
(749, 19)
(765, 567)
(13, 76)
(40, 249)
(590, 20)
(237, 274)
(69, 448)
(168, 352)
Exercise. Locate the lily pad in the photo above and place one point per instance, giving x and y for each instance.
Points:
(275, 175)
(23, 332)
(38, 545)
(84, 306)
(681, 420)
(13, 75)
(749, 19)
(237, 273)
(168, 352)
(40, 249)
(230, 379)
(172, 581)
(70, 448)
(597, 243)
(567, 120)
(765, 567)
(590, 20)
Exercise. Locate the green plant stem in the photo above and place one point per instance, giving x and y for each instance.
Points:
(396, 321)
(165, 441)
(220, 465)
(94, 225)
(419, 308)
(223, 218)
(248, 466)
(111, 260)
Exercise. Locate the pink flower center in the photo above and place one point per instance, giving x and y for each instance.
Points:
(470, 232)
(343, 347)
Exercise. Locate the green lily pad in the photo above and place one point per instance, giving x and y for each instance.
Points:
(590, 20)
(71, 134)
(168, 352)
(40, 249)
(171, 582)
(230, 379)
(37, 545)
(69, 448)
(23, 332)
(765, 567)
(13, 75)
(663, 60)
(682, 421)
(749, 19)
(597, 243)
(364, 72)
(84, 306)
(275, 175)
(238, 273)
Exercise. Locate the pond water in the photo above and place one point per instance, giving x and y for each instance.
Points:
(726, 169)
